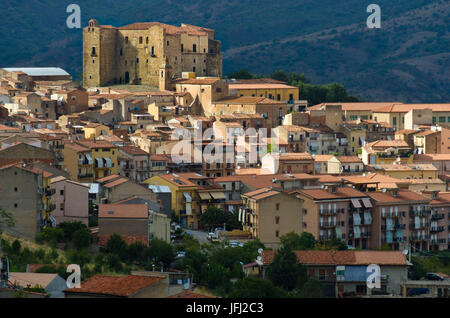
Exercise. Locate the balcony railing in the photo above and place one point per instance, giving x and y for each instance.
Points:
(50, 207)
(437, 229)
(437, 216)
(85, 176)
(49, 192)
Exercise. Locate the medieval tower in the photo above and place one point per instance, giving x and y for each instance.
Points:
(134, 54)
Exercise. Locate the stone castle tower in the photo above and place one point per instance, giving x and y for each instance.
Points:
(134, 54)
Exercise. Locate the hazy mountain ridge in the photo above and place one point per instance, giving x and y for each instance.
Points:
(408, 59)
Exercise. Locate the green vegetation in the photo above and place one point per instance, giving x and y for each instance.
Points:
(314, 94)
(214, 217)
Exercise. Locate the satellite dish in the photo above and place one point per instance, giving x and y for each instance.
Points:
(259, 258)
(260, 250)
(405, 252)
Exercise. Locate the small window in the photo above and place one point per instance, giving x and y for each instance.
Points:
(15, 189)
(277, 233)
(61, 192)
(194, 48)
(277, 220)
(278, 206)
(168, 43)
(126, 39)
(140, 40)
(15, 205)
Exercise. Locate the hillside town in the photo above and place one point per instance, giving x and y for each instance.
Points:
(156, 164)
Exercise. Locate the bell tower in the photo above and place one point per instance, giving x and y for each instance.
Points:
(165, 75)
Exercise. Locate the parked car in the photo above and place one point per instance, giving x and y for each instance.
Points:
(418, 291)
(434, 276)
(181, 254)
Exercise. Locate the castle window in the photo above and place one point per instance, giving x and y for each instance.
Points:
(182, 47)
(137, 61)
(93, 51)
(93, 61)
(147, 61)
(204, 50)
(121, 52)
(194, 48)
(146, 40)
(193, 69)
(168, 43)
(140, 40)
(126, 62)
(153, 51)
(126, 39)
(194, 60)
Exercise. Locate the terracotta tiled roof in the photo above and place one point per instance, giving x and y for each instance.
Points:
(344, 257)
(246, 100)
(133, 150)
(294, 156)
(443, 198)
(116, 182)
(198, 81)
(430, 158)
(349, 159)
(322, 158)
(404, 108)
(108, 178)
(341, 193)
(354, 106)
(261, 86)
(388, 144)
(123, 286)
(403, 196)
(96, 144)
(31, 279)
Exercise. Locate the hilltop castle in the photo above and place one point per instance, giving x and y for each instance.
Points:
(147, 53)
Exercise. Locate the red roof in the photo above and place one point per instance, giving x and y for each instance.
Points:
(122, 286)
(344, 257)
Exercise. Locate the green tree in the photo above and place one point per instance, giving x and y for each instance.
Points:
(256, 288)
(116, 245)
(417, 270)
(293, 241)
(214, 275)
(160, 252)
(82, 238)
(311, 288)
(285, 270)
(214, 217)
(242, 74)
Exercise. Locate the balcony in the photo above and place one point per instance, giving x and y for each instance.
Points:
(49, 192)
(328, 225)
(437, 216)
(328, 212)
(412, 226)
(82, 162)
(435, 229)
(85, 176)
(50, 207)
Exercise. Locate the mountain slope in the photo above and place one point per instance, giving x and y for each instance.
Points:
(406, 60)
